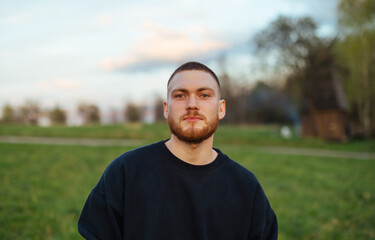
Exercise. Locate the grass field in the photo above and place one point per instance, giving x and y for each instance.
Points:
(254, 135)
(43, 187)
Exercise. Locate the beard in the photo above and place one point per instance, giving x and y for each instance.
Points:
(192, 134)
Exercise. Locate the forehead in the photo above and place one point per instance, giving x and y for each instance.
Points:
(193, 79)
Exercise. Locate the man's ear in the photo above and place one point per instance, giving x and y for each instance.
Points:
(222, 109)
(165, 107)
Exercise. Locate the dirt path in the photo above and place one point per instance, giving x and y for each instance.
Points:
(130, 142)
(69, 141)
(318, 152)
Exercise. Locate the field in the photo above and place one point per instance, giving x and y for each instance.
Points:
(43, 187)
(255, 135)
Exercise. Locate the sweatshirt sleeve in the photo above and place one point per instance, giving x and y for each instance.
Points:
(102, 214)
(263, 219)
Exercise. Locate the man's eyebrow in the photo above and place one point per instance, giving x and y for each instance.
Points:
(198, 90)
(205, 89)
(180, 90)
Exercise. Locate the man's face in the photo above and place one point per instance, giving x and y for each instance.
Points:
(194, 108)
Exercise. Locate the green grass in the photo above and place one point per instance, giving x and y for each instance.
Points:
(43, 189)
(316, 197)
(249, 135)
(133, 131)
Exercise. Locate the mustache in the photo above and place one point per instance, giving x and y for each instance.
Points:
(194, 113)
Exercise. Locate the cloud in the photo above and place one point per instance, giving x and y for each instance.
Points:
(59, 84)
(104, 20)
(160, 46)
(16, 19)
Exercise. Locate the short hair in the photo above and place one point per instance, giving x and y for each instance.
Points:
(194, 66)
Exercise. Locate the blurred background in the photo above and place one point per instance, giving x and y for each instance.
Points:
(302, 63)
(83, 81)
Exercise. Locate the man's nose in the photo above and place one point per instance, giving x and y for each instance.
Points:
(192, 103)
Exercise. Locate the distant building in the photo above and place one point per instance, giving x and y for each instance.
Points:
(324, 114)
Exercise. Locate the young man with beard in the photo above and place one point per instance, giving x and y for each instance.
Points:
(181, 188)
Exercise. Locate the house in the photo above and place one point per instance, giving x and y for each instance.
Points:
(324, 114)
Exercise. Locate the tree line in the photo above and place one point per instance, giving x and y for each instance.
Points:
(30, 113)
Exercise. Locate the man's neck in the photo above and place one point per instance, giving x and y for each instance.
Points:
(196, 154)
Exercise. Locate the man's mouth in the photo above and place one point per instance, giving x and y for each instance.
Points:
(193, 118)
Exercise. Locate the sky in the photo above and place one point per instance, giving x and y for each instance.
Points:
(112, 52)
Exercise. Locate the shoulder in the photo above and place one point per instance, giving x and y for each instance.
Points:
(239, 173)
(135, 157)
(247, 179)
(138, 153)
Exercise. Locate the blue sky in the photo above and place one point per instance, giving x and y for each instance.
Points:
(111, 52)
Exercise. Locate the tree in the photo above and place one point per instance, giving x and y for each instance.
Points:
(8, 114)
(57, 115)
(233, 92)
(89, 112)
(29, 113)
(159, 112)
(133, 113)
(286, 42)
(357, 54)
(298, 54)
(319, 64)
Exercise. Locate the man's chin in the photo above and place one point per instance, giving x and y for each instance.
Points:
(193, 133)
(192, 139)
(192, 129)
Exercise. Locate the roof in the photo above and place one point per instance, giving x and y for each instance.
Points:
(327, 92)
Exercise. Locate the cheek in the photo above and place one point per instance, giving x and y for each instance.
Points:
(214, 108)
(211, 113)
(173, 111)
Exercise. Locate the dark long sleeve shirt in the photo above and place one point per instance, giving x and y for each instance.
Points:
(148, 193)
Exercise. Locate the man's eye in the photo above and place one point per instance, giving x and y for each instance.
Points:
(179, 96)
(205, 95)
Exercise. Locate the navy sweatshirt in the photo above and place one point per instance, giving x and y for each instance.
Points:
(148, 193)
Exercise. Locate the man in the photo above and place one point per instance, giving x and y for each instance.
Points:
(181, 188)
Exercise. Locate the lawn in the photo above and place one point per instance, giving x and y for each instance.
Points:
(43, 189)
(248, 135)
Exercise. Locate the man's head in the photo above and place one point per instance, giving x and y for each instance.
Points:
(189, 66)
(193, 108)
